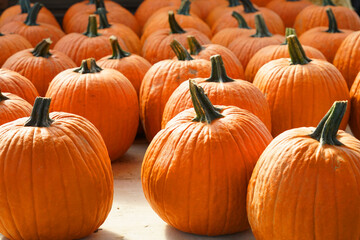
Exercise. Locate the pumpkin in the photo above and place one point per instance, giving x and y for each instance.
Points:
(273, 52)
(58, 182)
(347, 57)
(246, 46)
(103, 96)
(274, 22)
(195, 172)
(13, 107)
(221, 90)
(225, 36)
(288, 9)
(261, 3)
(17, 84)
(198, 51)
(234, 5)
(306, 184)
(31, 30)
(206, 6)
(39, 64)
(132, 66)
(157, 46)
(354, 120)
(10, 44)
(314, 16)
(328, 40)
(300, 91)
(161, 80)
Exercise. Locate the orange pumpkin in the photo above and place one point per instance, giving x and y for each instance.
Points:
(206, 6)
(160, 82)
(195, 172)
(216, 13)
(13, 107)
(300, 91)
(58, 182)
(354, 120)
(39, 64)
(306, 184)
(221, 90)
(103, 96)
(10, 44)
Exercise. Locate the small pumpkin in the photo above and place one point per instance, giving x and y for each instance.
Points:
(13, 107)
(11, 44)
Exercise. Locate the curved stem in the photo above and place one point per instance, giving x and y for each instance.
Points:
(248, 6)
(88, 66)
(42, 49)
(296, 51)
(92, 27)
(333, 28)
(218, 72)
(234, 3)
(328, 3)
(205, 111)
(174, 26)
(261, 28)
(40, 114)
(180, 51)
(104, 23)
(288, 32)
(3, 97)
(33, 14)
(118, 52)
(240, 19)
(184, 8)
(328, 127)
(194, 45)
(25, 6)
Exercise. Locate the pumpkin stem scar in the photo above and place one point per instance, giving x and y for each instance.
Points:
(328, 127)
(181, 53)
(261, 28)
(40, 114)
(33, 14)
(205, 111)
(24, 6)
(184, 8)
(288, 32)
(333, 27)
(248, 6)
(91, 30)
(218, 72)
(194, 45)
(240, 20)
(42, 49)
(104, 23)
(328, 3)
(3, 97)
(174, 26)
(296, 51)
(117, 51)
(88, 66)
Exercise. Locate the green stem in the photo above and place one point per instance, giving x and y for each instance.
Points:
(1, 34)
(91, 30)
(3, 97)
(184, 8)
(194, 45)
(328, 3)
(328, 127)
(218, 72)
(261, 28)
(205, 111)
(333, 28)
(40, 114)
(88, 66)
(288, 32)
(240, 19)
(174, 26)
(42, 49)
(104, 23)
(25, 6)
(248, 6)
(296, 51)
(234, 3)
(99, 4)
(33, 14)
(91, 2)
(181, 53)
(118, 52)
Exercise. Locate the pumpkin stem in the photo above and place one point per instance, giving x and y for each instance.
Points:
(33, 14)
(218, 72)
(181, 53)
(333, 27)
(184, 8)
(288, 32)
(118, 52)
(261, 28)
(293, 0)
(194, 45)
(91, 30)
(248, 6)
(25, 6)
(174, 26)
(240, 19)
(234, 3)
(104, 23)
(328, 3)
(296, 51)
(40, 114)
(91, 2)
(3, 97)
(205, 111)
(99, 4)
(88, 66)
(42, 49)
(1, 34)
(328, 127)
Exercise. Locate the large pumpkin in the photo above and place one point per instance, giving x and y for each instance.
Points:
(11, 44)
(306, 184)
(57, 180)
(195, 172)
(13, 107)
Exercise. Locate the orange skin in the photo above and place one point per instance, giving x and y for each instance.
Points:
(300, 95)
(288, 10)
(206, 6)
(354, 120)
(273, 52)
(301, 189)
(13, 108)
(17, 84)
(10, 44)
(195, 175)
(315, 16)
(42, 18)
(219, 11)
(347, 58)
(36, 192)
(327, 43)
(227, 35)
(89, 95)
(238, 93)
(159, 83)
(261, 3)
